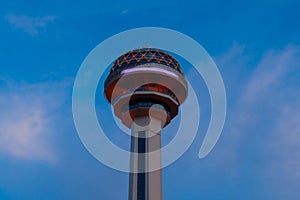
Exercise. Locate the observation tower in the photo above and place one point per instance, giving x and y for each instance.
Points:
(145, 86)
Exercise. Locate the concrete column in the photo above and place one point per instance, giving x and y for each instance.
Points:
(145, 138)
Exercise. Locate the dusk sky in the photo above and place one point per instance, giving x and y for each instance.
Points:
(256, 46)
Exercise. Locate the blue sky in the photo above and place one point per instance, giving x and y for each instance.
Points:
(256, 46)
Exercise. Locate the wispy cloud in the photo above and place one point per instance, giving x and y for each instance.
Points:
(30, 25)
(272, 72)
(26, 119)
(274, 89)
(264, 118)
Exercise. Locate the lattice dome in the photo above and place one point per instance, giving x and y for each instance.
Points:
(142, 56)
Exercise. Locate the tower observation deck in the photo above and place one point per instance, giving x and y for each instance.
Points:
(145, 86)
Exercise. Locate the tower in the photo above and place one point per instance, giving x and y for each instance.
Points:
(145, 86)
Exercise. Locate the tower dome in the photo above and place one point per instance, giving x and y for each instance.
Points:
(145, 78)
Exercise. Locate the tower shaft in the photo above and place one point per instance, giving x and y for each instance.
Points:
(145, 139)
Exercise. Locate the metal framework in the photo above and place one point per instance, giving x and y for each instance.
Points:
(142, 56)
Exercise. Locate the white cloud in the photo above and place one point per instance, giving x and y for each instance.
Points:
(264, 118)
(271, 73)
(274, 88)
(26, 119)
(288, 139)
(31, 25)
